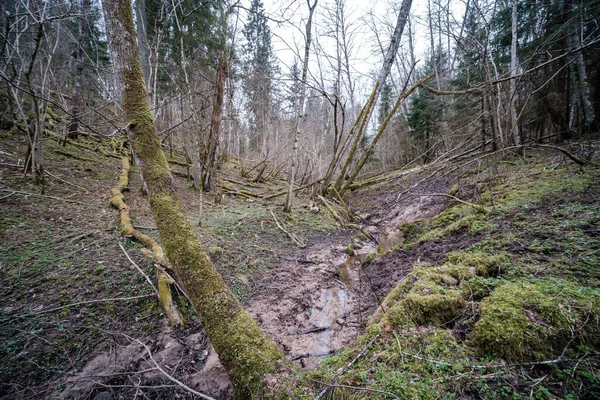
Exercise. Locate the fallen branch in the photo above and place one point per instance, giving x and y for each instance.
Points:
(7, 196)
(42, 195)
(282, 192)
(336, 377)
(476, 206)
(293, 237)
(68, 183)
(157, 254)
(162, 371)
(335, 214)
(577, 160)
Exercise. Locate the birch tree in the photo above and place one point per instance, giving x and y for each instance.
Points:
(308, 32)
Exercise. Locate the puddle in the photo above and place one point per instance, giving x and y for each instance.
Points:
(326, 318)
(350, 270)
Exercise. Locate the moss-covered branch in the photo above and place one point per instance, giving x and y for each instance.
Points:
(127, 229)
(243, 349)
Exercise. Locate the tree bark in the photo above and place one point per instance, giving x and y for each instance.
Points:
(245, 352)
(581, 91)
(142, 36)
(290, 196)
(388, 61)
(73, 130)
(215, 122)
(513, 74)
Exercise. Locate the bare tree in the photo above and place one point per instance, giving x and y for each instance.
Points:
(363, 118)
(290, 195)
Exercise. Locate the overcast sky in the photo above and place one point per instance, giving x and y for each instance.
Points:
(288, 36)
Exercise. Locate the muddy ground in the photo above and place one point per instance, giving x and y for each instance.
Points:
(61, 263)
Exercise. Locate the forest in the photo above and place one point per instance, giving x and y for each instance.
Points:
(299, 199)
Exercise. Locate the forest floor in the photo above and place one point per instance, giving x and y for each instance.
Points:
(426, 297)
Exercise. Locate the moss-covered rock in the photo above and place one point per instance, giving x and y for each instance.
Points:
(523, 321)
(215, 252)
(436, 309)
(426, 297)
(484, 264)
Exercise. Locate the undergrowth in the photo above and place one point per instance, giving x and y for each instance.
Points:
(514, 315)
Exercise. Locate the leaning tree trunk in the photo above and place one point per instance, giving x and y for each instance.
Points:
(513, 74)
(388, 61)
(73, 130)
(245, 352)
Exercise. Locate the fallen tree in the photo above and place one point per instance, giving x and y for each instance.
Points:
(243, 349)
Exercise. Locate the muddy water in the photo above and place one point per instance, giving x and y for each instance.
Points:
(328, 314)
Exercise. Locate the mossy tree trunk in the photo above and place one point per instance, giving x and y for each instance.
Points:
(245, 352)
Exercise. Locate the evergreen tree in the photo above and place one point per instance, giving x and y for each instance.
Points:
(258, 74)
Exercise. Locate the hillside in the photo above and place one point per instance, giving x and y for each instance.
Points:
(472, 279)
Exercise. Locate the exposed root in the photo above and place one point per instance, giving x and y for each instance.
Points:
(157, 254)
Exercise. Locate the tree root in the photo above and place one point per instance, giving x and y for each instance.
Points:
(157, 254)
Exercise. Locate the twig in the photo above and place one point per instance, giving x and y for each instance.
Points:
(44, 196)
(162, 371)
(68, 183)
(82, 236)
(477, 206)
(164, 271)
(334, 380)
(82, 303)
(293, 237)
(11, 165)
(7, 196)
(139, 269)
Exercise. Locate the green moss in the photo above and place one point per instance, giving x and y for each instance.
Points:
(349, 250)
(215, 252)
(424, 298)
(458, 272)
(434, 309)
(484, 264)
(522, 321)
(361, 236)
(478, 287)
(369, 258)
(396, 317)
